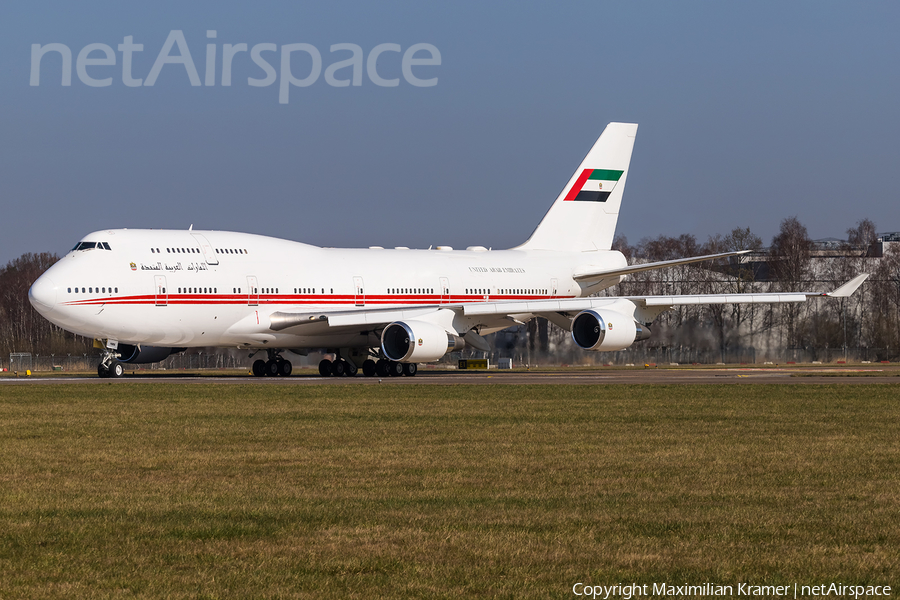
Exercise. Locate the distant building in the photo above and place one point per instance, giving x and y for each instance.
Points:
(757, 265)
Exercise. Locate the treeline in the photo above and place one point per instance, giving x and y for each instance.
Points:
(23, 329)
(865, 326)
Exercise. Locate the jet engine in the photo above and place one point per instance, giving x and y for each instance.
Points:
(604, 330)
(417, 341)
(144, 354)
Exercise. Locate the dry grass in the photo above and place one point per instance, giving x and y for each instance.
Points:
(214, 491)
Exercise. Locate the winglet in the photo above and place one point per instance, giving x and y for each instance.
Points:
(847, 290)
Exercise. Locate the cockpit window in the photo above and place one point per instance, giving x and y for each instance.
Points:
(91, 246)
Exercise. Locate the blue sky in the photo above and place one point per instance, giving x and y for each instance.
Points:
(749, 113)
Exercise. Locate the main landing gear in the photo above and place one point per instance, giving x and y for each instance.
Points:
(370, 368)
(275, 366)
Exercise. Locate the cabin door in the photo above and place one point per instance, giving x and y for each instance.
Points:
(208, 251)
(252, 291)
(162, 294)
(359, 295)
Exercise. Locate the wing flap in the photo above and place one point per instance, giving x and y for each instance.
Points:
(720, 299)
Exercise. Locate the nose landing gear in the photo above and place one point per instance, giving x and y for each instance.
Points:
(110, 367)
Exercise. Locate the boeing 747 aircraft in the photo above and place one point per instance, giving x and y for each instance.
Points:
(144, 294)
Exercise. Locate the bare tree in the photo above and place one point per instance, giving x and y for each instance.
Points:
(863, 235)
(790, 255)
(733, 275)
(22, 329)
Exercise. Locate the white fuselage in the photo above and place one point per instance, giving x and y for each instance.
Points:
(216, 288)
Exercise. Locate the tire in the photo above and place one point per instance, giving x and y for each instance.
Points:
(259, 368)
(116, 370)
(410, 369)
(102, 372)
(350, 368)
(271, 368)
(369, 368)
(382, 368)
(395, 369)
(338, 368)
(325, 367)
(285, 368)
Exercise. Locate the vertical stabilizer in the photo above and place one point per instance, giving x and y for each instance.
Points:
(584, 215)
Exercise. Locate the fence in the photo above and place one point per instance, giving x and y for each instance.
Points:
(21, 362)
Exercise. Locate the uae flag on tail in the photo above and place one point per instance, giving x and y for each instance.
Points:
(594, 185)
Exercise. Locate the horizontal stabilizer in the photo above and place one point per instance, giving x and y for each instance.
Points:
(588, 273)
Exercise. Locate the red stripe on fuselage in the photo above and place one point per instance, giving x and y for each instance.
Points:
(214, 300)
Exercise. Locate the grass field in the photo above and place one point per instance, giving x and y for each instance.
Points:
(261, 491)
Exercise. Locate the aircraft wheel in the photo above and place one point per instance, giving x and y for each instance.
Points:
(338, 368)
(395, 369)
(285, 368)
(350, 368)
(410, 369)
(325, 367)
(102, 372)
(369, 368)
(116, 370)
(271, 368)
(382, 368)
(259, 368)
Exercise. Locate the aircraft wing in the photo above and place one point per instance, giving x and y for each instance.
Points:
(589, 273)
(552, 309)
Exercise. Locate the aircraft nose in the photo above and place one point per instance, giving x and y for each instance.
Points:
(42, 295)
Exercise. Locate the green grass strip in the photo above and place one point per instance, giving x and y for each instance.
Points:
(269, 491)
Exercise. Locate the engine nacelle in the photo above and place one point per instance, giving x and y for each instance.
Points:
(144, 354)
(417, 341)
(599, 329)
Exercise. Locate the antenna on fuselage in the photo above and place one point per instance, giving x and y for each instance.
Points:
(191, 228)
